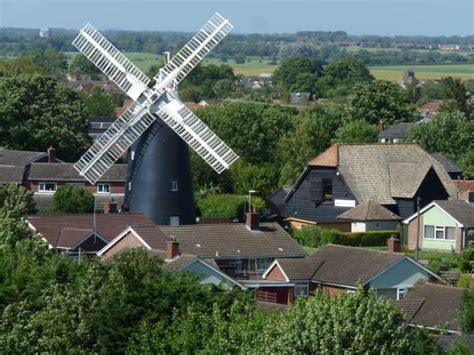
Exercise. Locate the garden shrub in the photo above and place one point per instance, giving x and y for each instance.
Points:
(221, 206)
(368, 239)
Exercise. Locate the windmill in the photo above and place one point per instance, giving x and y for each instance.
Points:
(156, 129)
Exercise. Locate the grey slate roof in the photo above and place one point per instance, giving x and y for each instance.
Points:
(380, 172)
(433, 306)
(19, 157)
(66, 172)
(369, 211)
(234, 240)
(448, 164)
(460, 210)
(399, 131)
(11, 174)
(345, 265)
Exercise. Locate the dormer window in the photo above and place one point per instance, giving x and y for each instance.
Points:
(327, 189)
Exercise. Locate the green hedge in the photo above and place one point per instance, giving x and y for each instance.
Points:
(221, 206)
(316, 236)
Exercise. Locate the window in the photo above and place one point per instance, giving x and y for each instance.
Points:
(262, 264)
(401, 293)
(440, 233)
(327, 189)
(103, 188)
(301, 289)
(377, 225)
(174, 220)
(47, 187)
(174, 186)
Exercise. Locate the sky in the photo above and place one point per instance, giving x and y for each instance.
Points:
(358, 17)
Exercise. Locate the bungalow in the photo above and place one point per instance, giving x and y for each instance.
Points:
(396, 133)
(432, 306)
(242, 251)
(336, 269)
(395, 176)
(85, 233)
(44, 179)
(370, 216)
(445, 225)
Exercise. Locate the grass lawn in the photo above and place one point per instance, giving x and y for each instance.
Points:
(422, 254)
(463, 71)
(253, 66)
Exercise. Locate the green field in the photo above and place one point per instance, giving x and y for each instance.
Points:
(463, 71)
(253, 66)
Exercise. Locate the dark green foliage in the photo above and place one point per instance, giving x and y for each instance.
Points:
(36, 112)
(48, 61)
(380, 100)
(73, 199)
(221, 205)
(466, 312)
(455, 94)
(100, 103)
(466, 259)
(81, 65)
(357, 131)
(16, 201)
(298, 74)
(367, 239)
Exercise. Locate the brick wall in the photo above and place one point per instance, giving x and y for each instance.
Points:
(127, 242)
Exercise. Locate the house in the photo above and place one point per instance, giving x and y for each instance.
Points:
(445, 225)
(453, 171)
(45, 178)
(395, 176)
(395, 134)
(242, 251)
(152, 239)
(275, 202)
(370, 216)
(336, 269)
(98, 125)
(431, 109)
(433, 306)
(465, 190)
(15, 164)
(84, 233)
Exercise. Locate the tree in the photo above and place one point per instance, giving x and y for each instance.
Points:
(224, 88)
(297, 74)
(73, 199)
(81, 65)
(466, 312)
(36, 112)
(312, 135)
(16, 201)
(52, 62)
(357, 131)
(343, 74)
(455, 94)
(380, 100)
(100, 103)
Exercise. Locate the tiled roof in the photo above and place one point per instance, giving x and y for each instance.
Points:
(369, 211)
(19, 157)
(372, 171)
(234, 240)
(433, 305)
(12, 174)
(299, 269)
(460, 210)
(107, 225)
(69, 237)
(432, 106)
(329, 158)
(152, 235)
(345, 265)
(448, 164)
(66, 172)
(400, 131)
(465, 185)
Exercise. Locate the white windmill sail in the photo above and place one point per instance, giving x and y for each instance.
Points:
(112, 63)
(194, 51)
(197, 135)
(114, 142)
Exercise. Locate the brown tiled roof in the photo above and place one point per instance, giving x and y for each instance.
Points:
(465, 185)
(460, 210)
(120, 110)
(438, 306)
(234, 239)
(330, 157)
(299, 269)
(378, 172)
(107, 225)
(369, 211)
(179, 262)
(343, 265)
(152, 235)
(66, 172)
(69, 237)
(19, 157)
(12, 174)
(432, 106)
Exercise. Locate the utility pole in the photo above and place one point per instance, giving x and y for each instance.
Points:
(417, 226)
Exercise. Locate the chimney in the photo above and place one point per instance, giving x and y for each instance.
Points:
(107, 207)
(172, 249)
(253, 221)
(51, 154)
(381, 126)
(394, 245)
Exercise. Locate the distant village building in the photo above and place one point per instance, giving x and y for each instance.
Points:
(44, 32)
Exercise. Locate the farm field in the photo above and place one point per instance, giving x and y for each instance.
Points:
(463, 71)
(253, 66)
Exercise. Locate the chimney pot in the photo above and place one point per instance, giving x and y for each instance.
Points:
(172, 249)
(394, 245)
(51, 154)
(253, 221)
